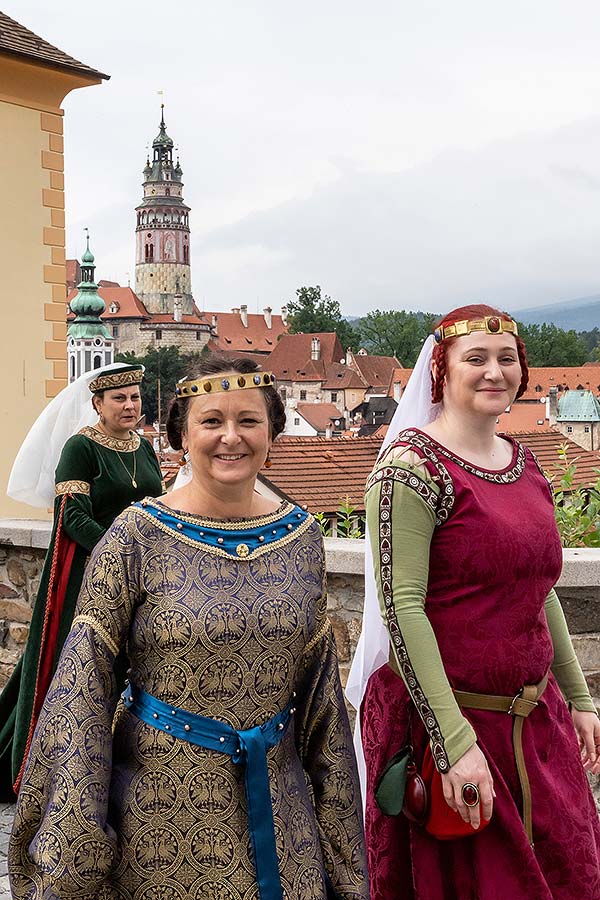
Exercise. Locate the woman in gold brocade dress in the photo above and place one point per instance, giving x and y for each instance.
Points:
(229, 774)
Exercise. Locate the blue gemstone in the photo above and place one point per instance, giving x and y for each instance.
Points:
(194, 388)
(225, 384)
(256, 379)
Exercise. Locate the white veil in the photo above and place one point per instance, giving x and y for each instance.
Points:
(32, 476)
(415, 410)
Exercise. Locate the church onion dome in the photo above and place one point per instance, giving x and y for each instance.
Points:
(147, 168)
(88, 257)
(87, 305)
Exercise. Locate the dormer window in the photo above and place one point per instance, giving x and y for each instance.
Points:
(113, 308)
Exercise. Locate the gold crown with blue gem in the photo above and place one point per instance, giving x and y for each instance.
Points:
(489, 324)
(223, 383)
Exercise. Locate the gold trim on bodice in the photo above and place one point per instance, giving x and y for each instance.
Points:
(72, 487)
(111, 443)
(282, 510)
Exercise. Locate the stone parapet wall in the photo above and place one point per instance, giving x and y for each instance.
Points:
(23, 545)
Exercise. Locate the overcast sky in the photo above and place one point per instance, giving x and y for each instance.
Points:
(400, 154)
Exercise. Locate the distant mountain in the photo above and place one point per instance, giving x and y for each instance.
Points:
(580, 314)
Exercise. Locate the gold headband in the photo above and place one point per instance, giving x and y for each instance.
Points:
(234, 382)
(490, 324)
(116, 380)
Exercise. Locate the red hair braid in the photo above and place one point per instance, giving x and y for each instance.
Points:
(473, 311)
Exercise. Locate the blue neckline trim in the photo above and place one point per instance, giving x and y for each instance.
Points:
(236, 542)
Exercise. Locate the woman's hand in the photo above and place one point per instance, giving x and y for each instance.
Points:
(587, 726)
(471, 768)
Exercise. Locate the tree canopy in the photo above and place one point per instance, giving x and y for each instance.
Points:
(166, 363)
(395, 333)
(548, 345)
(312, 313)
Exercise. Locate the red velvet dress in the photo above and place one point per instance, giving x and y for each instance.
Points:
(493, 561)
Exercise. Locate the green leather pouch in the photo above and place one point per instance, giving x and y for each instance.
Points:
(389, 792)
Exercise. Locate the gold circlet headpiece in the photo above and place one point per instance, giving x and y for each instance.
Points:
(216, 384)
(489, 324)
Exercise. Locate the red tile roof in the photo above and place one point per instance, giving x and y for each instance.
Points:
(339, 376)
(291, 358)
(320, 415)
(259, 358)
(399, 376)
(130, 305)
(375, 370)
(233, 335)
(545, 445)
(524, 417)
(565, 377)
(322, 472)
(167, 319)
(16, 40)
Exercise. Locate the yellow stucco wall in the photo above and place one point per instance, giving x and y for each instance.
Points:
(32, 241)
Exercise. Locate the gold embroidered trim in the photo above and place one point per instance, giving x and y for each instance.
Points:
(99, 629)
(240, 525)
(117, 380)
(72, 487)
(409, 676)
(504, 476)
(318, 636)
(217, 551)
(112, 443)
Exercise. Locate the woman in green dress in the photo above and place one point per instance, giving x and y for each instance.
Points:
(101, 470)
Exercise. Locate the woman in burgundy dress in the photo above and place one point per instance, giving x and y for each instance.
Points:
(466, 554)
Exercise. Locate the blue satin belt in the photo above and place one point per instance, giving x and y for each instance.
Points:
(250, 747)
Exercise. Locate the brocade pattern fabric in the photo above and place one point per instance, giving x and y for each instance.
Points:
(111, 807)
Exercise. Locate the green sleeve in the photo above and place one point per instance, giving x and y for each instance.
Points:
(412, 505)
(566, 668)
(75, 472)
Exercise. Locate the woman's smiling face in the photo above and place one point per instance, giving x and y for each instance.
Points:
(483, 374)
(228, 436)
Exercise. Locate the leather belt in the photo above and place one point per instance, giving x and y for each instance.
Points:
(519, 706)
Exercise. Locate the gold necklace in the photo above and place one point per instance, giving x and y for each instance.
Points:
(132, 476)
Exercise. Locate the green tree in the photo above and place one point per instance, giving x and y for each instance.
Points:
(166, 363)
(591, 339)
(395, 333)
(548, 345)
(312, 313)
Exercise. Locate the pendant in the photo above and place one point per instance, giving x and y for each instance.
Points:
(134, 482)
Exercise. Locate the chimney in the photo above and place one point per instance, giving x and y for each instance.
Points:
(235, 309)
(244, 315)
(348, 356)
(268, 318)
(177, 307)
(284, 315)
(328, 431)
(397, 391)
(214, 323)
(552, 404)
(315, 348)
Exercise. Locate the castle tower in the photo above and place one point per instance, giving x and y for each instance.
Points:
(162, 262)
(89, 343)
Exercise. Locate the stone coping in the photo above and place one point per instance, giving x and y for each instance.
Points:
(345, 556)
(581, 567)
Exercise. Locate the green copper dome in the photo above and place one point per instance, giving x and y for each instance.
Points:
(88, 257)
(162, 139)
(87, 305)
